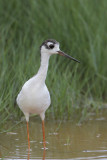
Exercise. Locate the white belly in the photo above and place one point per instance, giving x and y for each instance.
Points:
(35, 99)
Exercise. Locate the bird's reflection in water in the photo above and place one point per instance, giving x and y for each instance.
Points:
(28, 153)
(44, 151)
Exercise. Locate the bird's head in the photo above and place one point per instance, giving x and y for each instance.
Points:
(51, 46)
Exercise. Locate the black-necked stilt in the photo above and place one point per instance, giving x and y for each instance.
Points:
(34, 96)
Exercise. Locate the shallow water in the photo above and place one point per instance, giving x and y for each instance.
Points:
(66, 140)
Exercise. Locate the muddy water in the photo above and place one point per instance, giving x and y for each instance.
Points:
(66, 140)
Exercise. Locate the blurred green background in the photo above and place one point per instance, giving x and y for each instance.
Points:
(77, 90)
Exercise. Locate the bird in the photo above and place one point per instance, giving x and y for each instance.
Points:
(34, 97)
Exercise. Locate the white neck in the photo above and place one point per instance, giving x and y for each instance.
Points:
(42, 72)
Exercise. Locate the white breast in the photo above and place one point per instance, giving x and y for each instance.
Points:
(34, 97)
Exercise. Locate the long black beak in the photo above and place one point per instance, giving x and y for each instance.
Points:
(66, 55)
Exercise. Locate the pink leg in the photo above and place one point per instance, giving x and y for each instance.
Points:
(43, 130)
(28, 136)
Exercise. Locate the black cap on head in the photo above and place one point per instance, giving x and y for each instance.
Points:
(48, 40)
(50, 44)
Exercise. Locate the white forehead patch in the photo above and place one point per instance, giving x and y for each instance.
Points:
(49, 43)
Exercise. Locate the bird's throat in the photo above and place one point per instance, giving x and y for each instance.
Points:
(42, 72)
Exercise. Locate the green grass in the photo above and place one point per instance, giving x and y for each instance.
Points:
(80, 26)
